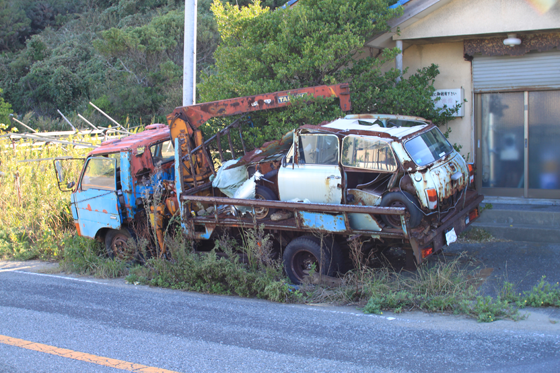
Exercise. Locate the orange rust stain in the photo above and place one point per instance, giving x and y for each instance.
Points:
(78, 228)
(88, 207)
(105, 211)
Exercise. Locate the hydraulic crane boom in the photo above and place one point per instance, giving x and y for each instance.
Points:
(184, 122)
(187, 119)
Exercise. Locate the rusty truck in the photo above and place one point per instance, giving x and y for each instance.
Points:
(383, 180)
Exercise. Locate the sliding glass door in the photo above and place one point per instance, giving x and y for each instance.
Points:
(518, 144)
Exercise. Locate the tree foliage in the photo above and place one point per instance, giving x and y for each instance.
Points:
(126, 56)
(315, 42)
(5, 110)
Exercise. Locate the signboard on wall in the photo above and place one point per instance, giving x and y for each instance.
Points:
(450, 98)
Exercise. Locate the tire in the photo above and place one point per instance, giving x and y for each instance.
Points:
(264, 193)
(402, 199)
(117, 247)
(303, 252)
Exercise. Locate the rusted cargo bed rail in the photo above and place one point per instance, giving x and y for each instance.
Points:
(299, 222)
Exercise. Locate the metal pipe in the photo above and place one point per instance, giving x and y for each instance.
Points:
(219, 146)
(242, 142)
(219, 134)
(107, 116)
(67, 121)
(189, 54)
(230, 144)
(87, 121)
(399, 59)
(299, 206)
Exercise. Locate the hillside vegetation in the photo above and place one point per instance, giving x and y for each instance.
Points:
(124, 55)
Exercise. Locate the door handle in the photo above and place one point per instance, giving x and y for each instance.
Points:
(333, 177)
(114, 217)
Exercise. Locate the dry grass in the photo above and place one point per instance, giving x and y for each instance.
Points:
(35, 213)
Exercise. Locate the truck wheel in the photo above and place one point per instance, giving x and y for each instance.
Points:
(402, 199)
(116, 244)
(264, 193)
(302, 253)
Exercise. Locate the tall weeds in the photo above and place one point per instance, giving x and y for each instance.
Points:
(33, 211)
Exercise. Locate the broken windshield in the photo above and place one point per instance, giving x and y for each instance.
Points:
(428, 147)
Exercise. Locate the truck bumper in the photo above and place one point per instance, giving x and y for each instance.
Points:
(424, 245)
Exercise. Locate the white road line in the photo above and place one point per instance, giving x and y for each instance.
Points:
(61, 277)
(13, 269)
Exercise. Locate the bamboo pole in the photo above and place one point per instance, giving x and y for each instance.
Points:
(23, 124)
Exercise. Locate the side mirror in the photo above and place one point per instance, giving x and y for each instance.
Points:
(66, 168)
(59, 171)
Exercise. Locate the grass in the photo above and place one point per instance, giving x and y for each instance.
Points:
(35, 213)
(245, 266)
(477, 235)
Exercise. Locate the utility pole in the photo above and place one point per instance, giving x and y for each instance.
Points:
(189, 62)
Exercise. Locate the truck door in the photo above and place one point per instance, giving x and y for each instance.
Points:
(96, 198)
(313, 173)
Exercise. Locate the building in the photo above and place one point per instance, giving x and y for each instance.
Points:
(504, 57)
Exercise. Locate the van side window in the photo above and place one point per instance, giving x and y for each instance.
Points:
(162, 152)
(318, 149)
(369, 153)
(99, 174)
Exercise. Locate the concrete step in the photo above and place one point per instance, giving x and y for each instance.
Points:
(529, 223)
(540, 216)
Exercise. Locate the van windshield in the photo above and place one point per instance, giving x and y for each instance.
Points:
(428, 147)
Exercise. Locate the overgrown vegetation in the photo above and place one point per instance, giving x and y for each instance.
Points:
(477, 235)
(125, 56)
(246, 266)
(35, 213)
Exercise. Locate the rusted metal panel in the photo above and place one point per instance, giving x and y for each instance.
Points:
(371, 131)
(97, 209)
(157, 133)
(298, 206)
(127, 185)
(323, 222)
(269, 149)
(198, 114)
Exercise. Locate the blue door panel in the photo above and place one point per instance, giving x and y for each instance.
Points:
(97, 209)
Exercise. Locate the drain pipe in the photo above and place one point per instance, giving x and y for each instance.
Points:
(398, 59)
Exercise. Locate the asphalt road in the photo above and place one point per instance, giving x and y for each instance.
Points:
(189, 332)
(521, 263)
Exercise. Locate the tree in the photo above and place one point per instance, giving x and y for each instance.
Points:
(5, 110)
(315, 42)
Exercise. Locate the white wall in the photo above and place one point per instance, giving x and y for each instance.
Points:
(475, 17)
(455, 72)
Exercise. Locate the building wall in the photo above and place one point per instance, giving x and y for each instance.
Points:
(455, 72)
(475, 17)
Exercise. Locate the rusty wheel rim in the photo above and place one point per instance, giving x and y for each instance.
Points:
(302, 263)
(395, 220)
(120, 247)
(261, 212)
